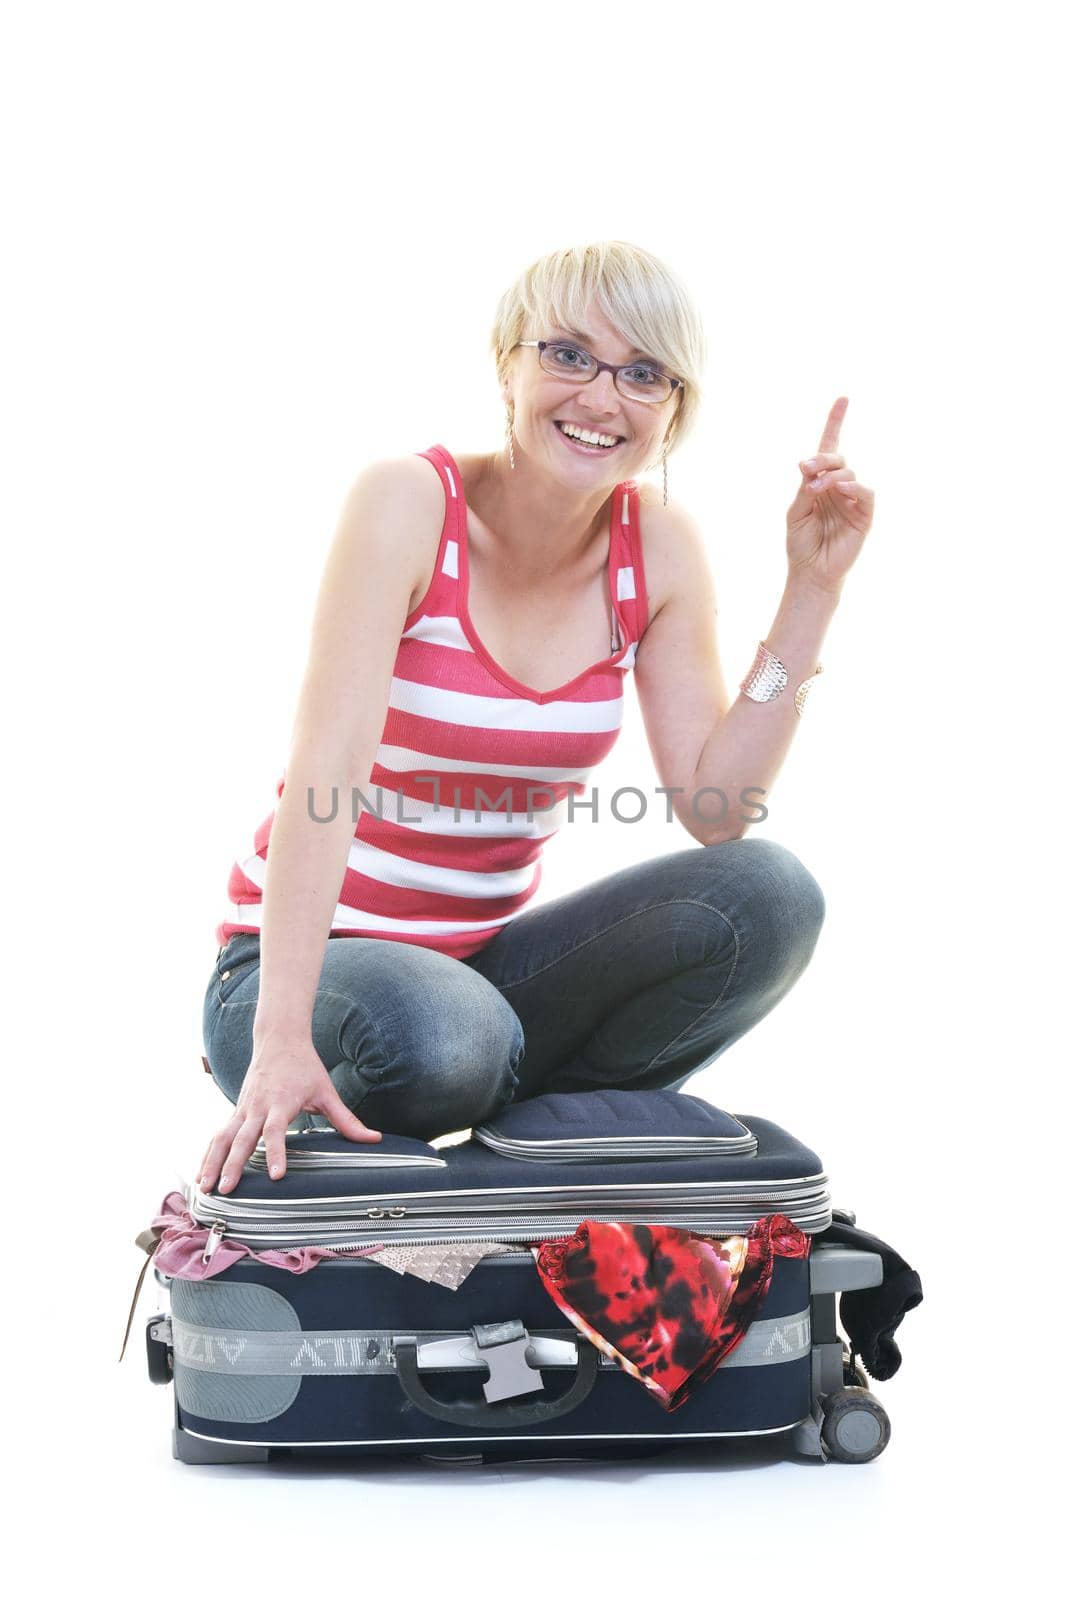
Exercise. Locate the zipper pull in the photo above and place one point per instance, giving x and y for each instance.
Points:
(213, 1240)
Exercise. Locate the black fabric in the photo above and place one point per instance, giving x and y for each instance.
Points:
(872, 1316)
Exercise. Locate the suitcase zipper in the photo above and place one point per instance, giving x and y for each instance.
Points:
(411, 1218)
(645, 1207)
(212, 1242)
(533, 1230)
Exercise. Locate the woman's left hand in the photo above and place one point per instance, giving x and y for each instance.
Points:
(831, 515)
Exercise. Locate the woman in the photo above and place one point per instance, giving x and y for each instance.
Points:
(387, 963)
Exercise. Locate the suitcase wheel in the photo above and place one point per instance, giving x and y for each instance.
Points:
(855, 1425)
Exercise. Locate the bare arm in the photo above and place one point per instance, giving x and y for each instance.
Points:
(699, 739)
(745, 751)
(678, 674)
(389, 521)
(363, 601)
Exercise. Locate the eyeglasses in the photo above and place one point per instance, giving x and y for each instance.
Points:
(637, 380)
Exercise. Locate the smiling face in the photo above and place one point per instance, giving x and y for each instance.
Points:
(543, 402)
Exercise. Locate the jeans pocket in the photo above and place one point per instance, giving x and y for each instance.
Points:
(236, 961)
(230, 982)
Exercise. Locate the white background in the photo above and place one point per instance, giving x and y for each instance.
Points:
(251, 248)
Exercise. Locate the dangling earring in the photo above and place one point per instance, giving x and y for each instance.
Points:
(508, 437)
(664, 477)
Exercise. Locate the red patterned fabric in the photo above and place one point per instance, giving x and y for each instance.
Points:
(667, 1305)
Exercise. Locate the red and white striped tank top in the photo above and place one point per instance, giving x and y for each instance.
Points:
(436, 860)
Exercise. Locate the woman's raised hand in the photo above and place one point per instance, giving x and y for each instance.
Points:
(831, 515)
(282, 1080)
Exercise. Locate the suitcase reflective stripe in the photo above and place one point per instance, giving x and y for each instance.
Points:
(365, 1352)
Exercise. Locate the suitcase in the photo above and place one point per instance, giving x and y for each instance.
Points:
(350, 1358)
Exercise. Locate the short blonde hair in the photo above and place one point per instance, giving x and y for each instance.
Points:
(638, 294)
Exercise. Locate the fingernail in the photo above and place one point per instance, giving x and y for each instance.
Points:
(275, 1171)
(809, 466)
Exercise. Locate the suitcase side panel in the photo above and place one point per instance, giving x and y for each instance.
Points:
(359, 1411)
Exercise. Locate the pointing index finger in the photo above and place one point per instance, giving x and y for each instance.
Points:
(832, 431)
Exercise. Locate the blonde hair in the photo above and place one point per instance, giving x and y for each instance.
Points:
(637, 293)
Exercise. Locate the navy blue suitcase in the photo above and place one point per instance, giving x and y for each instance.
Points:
(350, 1358)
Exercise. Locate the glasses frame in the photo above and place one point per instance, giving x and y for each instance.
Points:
(540, 345)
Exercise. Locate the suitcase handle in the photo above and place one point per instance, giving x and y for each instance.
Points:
(484, 1413)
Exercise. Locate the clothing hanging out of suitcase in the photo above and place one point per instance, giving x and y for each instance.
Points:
(631, 1266)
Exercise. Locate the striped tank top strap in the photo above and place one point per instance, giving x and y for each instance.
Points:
(440, 598)
(631, 593)
(447, 471)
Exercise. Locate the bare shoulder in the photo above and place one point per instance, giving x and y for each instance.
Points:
(400, 501)
(409, 482)
(674, 551)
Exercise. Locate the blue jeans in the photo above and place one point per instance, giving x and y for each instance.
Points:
(635, 981)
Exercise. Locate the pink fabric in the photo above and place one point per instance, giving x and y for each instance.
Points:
(182, 1240)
